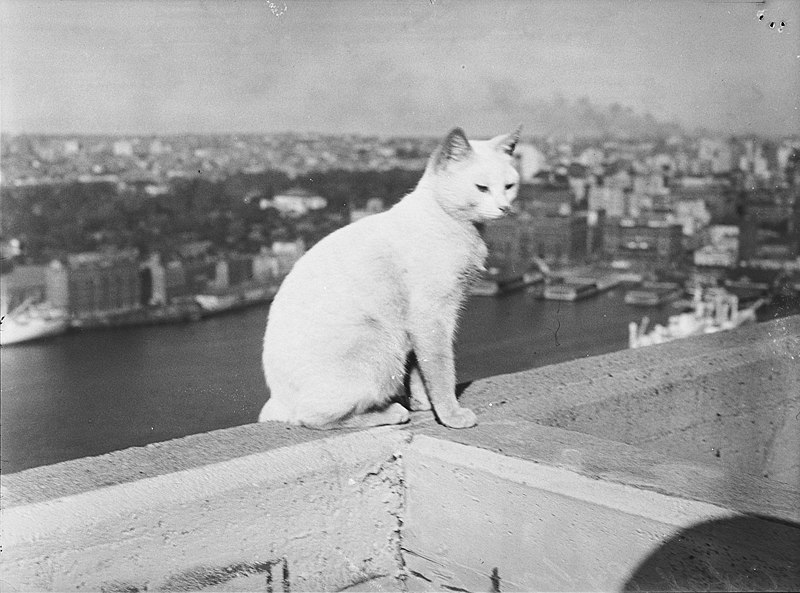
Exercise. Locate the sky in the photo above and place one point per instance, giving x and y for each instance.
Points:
(403, 67)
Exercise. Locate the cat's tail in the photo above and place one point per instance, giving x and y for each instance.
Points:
(275, 411)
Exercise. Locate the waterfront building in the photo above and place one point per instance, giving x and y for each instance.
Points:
(265, 266)
(199, 275)
(287, 253)
(769, 227)
(721, 249)
(95, 284)
(240, 269)
(174, 281)
(516, 241)
(153, 281)
(648, 241)
(545, 199)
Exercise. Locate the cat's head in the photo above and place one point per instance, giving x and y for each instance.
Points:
(474, 180)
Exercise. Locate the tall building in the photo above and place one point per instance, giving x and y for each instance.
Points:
(770, 224)
(652, 242)
(514, 242)
(95, 284)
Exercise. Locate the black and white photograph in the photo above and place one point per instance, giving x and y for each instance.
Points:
(399, 295)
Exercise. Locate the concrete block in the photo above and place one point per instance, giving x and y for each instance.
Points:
(480, 521)
(325, 512)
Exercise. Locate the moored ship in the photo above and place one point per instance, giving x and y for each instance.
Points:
(32, 321)
(712, 310)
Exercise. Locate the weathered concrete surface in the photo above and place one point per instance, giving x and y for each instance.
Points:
(88, 473)
(480, 521)
(620, 463)
(730, 399)
(323, 515)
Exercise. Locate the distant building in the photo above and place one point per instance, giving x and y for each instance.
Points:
(769, 227)
(548, 199)
(530, 161)
(652, 242)
(298, 201)
(265, 267)
(153, 281)
(71, 147)
(94, 284)
(287, 253)
(722, 249)
(691, 214)
(123, 148)
(240, 269)
(373, 206)
(514, 242)
(612, 193)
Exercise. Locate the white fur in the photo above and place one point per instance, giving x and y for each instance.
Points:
(345, 319)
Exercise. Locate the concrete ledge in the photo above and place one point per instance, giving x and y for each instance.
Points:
(324, 513)
(729, 400)
(594, 474)
(478, 521)
(136, 463)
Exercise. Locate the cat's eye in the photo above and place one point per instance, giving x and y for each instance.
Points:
(482, 188)
(510, 185)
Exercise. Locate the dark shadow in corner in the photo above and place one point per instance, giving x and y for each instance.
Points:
(748, 553)
(461, 388)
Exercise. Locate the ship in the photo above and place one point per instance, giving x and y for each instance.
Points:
(213, 303)
(570, 290)
(494, 282)
(32, 321)
(575, 285)
(712, 310)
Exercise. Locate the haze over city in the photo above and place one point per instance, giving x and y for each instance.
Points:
(395, 68)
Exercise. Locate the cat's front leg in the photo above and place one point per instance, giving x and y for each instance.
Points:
(433, 345)
(417, 395)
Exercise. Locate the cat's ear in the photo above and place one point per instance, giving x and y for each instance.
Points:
(507, 142)
(455, 147)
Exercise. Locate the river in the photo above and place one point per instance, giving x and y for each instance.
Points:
(88, 393)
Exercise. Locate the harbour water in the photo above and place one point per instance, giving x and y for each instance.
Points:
(91, 392)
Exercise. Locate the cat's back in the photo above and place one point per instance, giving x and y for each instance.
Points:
(358, 262)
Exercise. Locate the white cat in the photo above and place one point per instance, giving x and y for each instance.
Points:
(380, 298)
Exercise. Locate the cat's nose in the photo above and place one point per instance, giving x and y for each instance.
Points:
(505, 209)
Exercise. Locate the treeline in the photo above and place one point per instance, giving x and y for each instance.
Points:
(51, 220)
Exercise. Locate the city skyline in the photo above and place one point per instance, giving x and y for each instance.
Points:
(399, 68)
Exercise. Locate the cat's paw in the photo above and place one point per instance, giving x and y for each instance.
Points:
(397, 414)
(459, 418)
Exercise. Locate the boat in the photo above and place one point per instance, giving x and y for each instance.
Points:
(32, 321)
(570, 290)
(234, 299)
(494, 283)
(713, 310)
(217, 303)
(654, 294)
